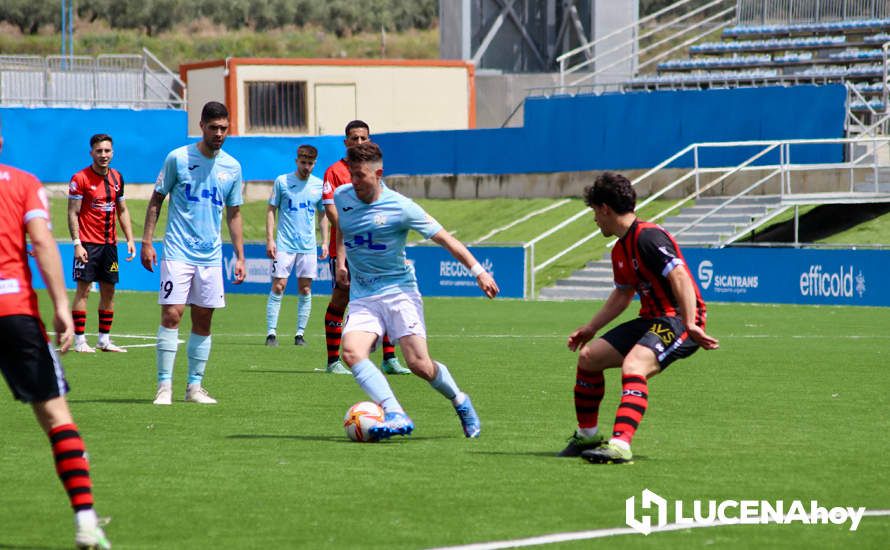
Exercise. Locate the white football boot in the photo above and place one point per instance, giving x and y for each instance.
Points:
(195, 393)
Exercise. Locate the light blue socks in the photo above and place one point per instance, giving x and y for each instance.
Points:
(375, 385)
(198, 352)
(445, 384)
(273, 307)
(168, 341)
(304, 307)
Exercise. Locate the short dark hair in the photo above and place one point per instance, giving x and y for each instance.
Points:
(614, 190)
(357, 124)
(213, 110)
(307, 151)
(100, 137)
(364, 152)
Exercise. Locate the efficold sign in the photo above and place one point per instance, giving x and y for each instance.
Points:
(791, 276)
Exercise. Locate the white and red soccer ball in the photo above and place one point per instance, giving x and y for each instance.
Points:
(359, 420)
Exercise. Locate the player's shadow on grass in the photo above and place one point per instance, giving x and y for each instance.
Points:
(20, 547)
(546, 454)
(145, 401)
(333, 439)
(271, 371)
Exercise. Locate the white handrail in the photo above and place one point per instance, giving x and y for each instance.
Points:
(514, 223)
(649, 33)
(646, 19)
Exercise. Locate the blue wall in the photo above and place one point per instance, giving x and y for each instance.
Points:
(616, 131)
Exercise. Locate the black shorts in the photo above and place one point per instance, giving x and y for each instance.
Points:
(665, 336)
(28, 361)
(332, 265)
(101, 264)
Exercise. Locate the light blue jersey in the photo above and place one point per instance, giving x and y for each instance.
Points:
(199, 188)
(374, 235)
(297, 201)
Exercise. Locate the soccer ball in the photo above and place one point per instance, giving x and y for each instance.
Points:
(360, 418)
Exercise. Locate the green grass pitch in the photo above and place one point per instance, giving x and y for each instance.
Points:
(793, 406)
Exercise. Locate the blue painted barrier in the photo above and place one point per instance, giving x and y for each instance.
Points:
(438, 273)
(562, 133)
(791, 276)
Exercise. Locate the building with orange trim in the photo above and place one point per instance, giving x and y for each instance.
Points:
(319, 96)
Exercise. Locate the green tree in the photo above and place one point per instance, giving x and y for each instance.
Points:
(29, 15)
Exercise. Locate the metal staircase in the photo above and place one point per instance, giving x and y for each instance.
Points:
(594, 281)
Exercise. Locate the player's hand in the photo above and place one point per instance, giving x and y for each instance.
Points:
(701, 338)
(487, 284)
(271, 250)
(131, 251)
(80, 254)
(581, 336)
(343, 277)
(149, 257)
(324, 251)
(240, 272)
(64, 327)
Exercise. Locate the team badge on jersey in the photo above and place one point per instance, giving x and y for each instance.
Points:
(225, 177)
(379, 219)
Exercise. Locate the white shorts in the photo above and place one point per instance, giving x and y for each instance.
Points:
(397, 315)
(303, 264)
(183, 283)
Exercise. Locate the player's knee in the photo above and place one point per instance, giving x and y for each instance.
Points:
(351, 356)
(636, 365)
(590, 360)
(278, 285)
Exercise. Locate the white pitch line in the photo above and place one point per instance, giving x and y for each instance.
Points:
(600, 534)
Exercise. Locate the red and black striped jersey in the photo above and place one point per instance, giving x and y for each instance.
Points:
(642, 260)
(99, 196)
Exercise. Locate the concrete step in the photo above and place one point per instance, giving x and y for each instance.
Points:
(574, 280)
(741, 219)
(720, 228)
(573, 293)
(731, 209)
(753, 199)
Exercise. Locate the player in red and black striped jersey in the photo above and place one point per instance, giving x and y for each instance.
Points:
(647, 261)
(95, 203)
(27, 360)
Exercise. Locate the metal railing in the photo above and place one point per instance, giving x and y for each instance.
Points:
(681, 23)
(113, 80)
(763, 12)
(703, 178)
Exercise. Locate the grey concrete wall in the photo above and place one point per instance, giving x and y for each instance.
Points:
(497, 94)
(558, 184)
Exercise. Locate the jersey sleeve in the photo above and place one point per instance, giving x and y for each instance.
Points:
(235, 195)
(327, 188)
(36, 201)
(168, 176)
(417, 219)
(120, 177)
(275, 197)
(658, 251)
(75, 187)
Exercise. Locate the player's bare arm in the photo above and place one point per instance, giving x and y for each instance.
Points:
(682, 286)
(324, 227)
(342, 273)
(460, 252)
(123, 217)
(46, 253)
(270, 231)
(236, 232)
(80, 253)
(615, 304)
(149, 257)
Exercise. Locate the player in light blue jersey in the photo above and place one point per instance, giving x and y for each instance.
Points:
(383, 296)
(201, 180)
(296, 197)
